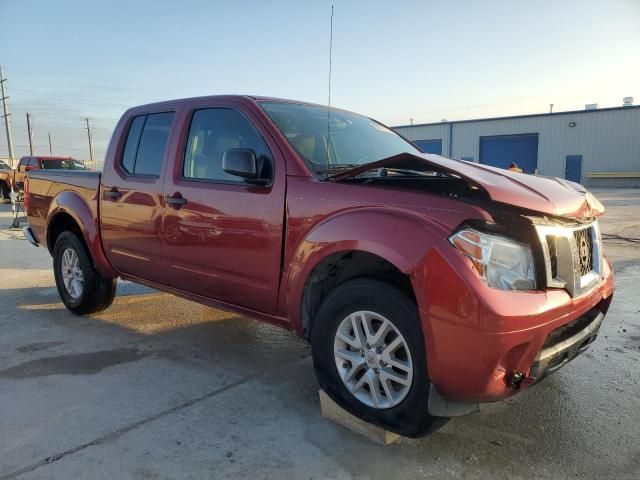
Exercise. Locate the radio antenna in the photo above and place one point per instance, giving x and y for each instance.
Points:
(329, 97)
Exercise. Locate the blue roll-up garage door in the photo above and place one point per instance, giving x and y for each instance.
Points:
(500, 151)
(430, 146)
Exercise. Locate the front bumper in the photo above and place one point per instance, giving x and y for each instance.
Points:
(485, 345)
(566, 343)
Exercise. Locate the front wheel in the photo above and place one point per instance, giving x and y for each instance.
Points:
(82, 289)
(369, 356)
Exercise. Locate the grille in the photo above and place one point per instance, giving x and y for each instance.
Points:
(553, 255)
(583, 252)
(572, 256)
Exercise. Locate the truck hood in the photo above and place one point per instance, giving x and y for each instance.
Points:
(550, 195)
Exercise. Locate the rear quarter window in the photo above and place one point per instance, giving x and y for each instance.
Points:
(131, 147)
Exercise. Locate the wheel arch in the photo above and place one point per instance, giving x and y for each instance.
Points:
(392, 239)
(62, 221)
(340, 267)
(70, 212)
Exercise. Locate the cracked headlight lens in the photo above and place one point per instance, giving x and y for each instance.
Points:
(501, 262)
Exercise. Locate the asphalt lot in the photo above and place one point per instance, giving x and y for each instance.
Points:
(157, 387)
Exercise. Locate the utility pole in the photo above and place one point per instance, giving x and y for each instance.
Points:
(7, 123)
(50, 148)
(551, 108)
(90, 140)
(30, 131)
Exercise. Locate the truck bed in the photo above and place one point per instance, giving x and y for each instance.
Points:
(61, 185)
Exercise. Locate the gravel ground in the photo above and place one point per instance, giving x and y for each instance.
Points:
(158, 387)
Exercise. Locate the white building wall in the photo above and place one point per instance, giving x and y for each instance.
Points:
(428, 132)
(608, 140)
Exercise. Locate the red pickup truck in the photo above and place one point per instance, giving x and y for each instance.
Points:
(11, 179)
(426, 285)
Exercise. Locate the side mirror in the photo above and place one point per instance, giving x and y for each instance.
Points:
(242, 162)
(29, 168)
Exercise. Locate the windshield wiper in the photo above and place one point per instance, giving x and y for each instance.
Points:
(339, 168)
(402, 164)
(384, 172)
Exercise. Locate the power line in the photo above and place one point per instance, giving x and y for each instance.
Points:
(67, 99)
(59, 111)
(71, 120)
(58, 146)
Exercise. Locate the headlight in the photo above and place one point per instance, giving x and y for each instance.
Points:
(502, 263)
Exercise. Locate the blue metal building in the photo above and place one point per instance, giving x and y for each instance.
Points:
(596, 147)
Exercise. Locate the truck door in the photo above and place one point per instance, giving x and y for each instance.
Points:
(223, 237)
(131, 198)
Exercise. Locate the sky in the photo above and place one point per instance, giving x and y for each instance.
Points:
(424, 60)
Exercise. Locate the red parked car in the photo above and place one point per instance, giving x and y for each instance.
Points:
(426, 285)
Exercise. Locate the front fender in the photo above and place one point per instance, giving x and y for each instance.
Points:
(398, 236)
(86, 218)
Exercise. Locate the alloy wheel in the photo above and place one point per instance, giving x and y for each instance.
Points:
(373, 359)
(72, 273)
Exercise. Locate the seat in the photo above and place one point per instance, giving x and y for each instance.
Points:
(208, 163)
(304, 145)
(310, 148)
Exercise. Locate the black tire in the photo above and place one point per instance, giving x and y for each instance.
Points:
(4, 192)
(410, 417)
(98, 292)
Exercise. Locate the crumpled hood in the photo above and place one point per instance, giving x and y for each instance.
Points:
(550, 195)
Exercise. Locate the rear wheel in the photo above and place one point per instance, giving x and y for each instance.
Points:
(369, 356)
(82, 289)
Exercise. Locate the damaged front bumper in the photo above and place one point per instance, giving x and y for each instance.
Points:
(560, 347)
(567, 342)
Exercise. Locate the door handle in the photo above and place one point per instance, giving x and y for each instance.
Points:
(113, 194)
(175, 200)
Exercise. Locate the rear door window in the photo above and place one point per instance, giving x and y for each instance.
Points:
(146, 144)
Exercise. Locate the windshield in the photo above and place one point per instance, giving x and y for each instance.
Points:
(4, 166)
(352, 139)
(62, 164)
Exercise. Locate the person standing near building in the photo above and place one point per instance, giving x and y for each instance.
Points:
(514, 168)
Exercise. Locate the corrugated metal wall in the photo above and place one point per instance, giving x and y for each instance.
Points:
(608, 140)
